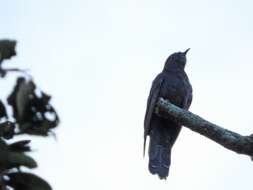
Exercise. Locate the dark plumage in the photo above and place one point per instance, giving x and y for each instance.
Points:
(172, 84)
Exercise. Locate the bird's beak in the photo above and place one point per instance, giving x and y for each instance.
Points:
(186, 51)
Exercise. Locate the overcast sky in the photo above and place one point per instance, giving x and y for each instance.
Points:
(98, 59)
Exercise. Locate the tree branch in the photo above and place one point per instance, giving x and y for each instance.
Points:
(228, 139)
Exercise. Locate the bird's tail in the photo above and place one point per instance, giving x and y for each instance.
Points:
(159, 154)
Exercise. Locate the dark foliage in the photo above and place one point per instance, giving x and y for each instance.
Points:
(32, 114)
(3, 113)
(7, 130)
(20, 146)
(7, 49)
(27, 181)
(31, 110)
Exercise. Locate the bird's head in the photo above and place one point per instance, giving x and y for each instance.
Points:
(176, 60)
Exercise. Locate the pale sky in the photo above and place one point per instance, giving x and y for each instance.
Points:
(98, 59)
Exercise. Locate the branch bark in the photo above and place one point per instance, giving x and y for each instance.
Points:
(228, 139)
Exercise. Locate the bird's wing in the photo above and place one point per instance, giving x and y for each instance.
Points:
(188, 99)
(152, 100)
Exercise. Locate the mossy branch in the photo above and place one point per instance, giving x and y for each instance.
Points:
(228, 139)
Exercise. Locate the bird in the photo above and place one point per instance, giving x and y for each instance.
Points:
(172, 84)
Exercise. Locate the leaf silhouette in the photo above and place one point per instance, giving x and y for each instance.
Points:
(27, 181)
(7, 49)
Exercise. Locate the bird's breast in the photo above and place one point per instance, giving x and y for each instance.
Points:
(175, 89)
